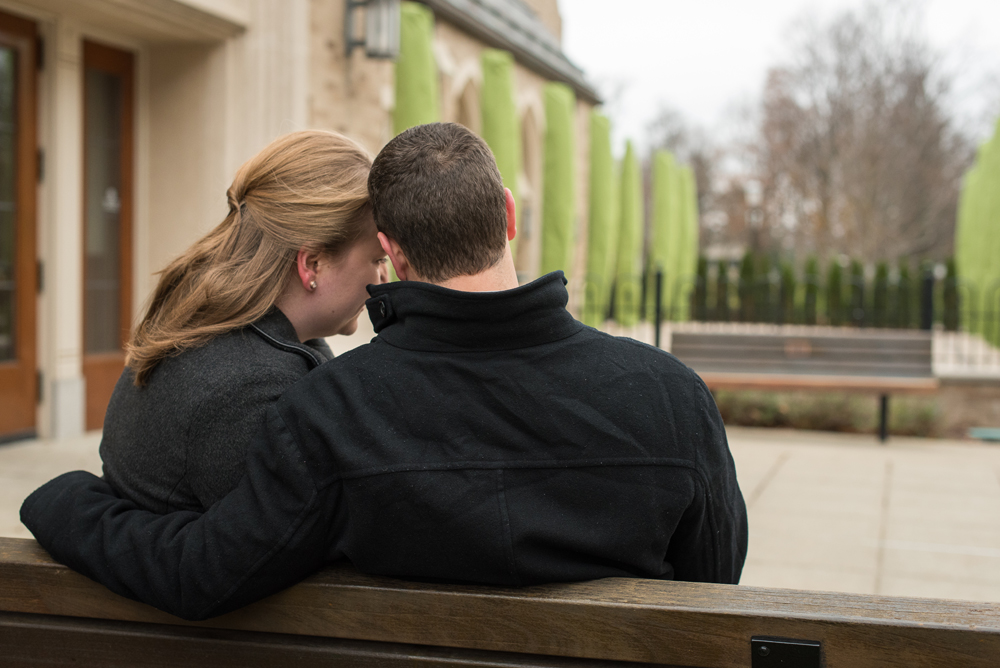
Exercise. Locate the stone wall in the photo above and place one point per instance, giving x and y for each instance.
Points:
(963, 404)
(548, 12)
(353, 95)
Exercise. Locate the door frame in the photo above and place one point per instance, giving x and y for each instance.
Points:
(20, 377)
(101, 370)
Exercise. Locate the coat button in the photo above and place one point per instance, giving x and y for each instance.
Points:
(381, 308)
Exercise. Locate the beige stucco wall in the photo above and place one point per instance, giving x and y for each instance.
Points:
(212, 106)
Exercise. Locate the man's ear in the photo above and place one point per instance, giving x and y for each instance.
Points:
(306, 263)
(511, 218)
(396, 256)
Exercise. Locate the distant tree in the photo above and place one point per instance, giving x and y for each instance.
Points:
(856, 150)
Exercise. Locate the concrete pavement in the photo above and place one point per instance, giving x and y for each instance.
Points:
(833, 512)
(836, 512)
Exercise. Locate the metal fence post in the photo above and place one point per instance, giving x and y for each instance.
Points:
(658, 309)
(927, 300)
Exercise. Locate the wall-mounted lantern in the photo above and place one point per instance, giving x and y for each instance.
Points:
(381, 38)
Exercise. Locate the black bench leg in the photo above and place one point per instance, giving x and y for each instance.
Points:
(883, 426)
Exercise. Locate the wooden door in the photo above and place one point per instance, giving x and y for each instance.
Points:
(18, 264)
(107, 225)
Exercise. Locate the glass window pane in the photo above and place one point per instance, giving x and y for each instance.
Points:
(8, 67)
(102, 181)
(8, 189)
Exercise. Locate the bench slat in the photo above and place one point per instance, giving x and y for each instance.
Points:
(814, 367)
(876, 362)
(674, 623)
(793, 382)
(47, 641)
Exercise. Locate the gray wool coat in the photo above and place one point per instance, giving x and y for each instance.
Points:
(179, 442)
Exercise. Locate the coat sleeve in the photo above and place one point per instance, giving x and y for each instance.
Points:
(269, 533)
(710, 543)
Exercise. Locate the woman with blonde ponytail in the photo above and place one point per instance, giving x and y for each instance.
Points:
(238, 317)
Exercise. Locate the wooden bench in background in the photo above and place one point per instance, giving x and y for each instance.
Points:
(51, 616)
(880, 362)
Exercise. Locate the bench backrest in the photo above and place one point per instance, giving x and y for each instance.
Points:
(50, 615)
(900, 354)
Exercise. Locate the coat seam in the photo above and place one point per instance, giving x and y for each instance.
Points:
(487, 466)
(508, 539)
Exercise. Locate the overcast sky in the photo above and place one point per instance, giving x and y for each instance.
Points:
(704, 57)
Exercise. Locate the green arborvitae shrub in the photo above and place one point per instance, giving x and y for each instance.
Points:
(950, 297)
(746, 288)
(699, 296)
(857, 293)
(787, 293)
(811, 291)
(904, 297)
(834, 293)
(880, 296)
(722, 292)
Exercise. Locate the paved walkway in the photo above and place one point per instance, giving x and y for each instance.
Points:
(828, 512)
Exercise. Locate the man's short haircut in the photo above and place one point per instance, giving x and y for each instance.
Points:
(437, 191)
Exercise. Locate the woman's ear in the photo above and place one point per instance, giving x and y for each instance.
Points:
(306, 263)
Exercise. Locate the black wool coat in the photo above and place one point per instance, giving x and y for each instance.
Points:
(179, 442)
(481, 437)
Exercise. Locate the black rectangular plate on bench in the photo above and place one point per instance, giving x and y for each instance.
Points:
(784, 652)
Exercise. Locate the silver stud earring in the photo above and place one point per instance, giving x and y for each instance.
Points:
(312, 285)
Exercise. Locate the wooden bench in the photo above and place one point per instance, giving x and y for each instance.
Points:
(52, 616)
(880, 362)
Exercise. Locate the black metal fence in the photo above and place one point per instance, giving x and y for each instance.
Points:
(964, 317)
(902, 304)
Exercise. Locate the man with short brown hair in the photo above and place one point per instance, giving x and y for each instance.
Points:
(483, 436)
(433, 222)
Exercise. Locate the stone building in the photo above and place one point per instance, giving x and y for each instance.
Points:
(123, 121)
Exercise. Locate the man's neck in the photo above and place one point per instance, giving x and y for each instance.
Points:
(500, 276)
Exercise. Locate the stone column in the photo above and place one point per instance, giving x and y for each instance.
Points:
(63, 254)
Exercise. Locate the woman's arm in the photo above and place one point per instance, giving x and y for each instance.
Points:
(274, 529)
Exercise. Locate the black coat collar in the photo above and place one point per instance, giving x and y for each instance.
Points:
(422, 316)
(277, 329)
